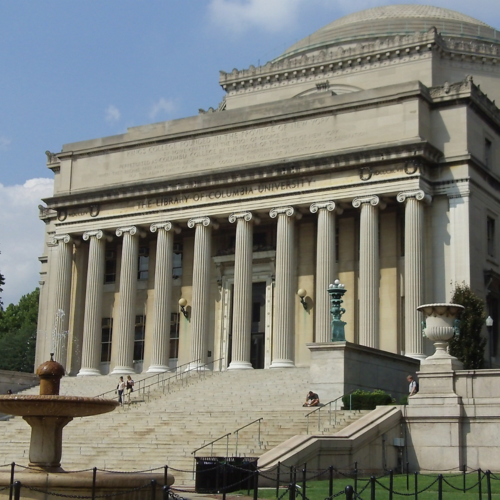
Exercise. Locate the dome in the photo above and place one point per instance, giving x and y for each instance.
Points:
(394, 20)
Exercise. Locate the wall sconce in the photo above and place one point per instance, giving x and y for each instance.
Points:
(183, 303)
(302, 293)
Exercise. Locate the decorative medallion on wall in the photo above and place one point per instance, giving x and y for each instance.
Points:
(365, 173)
(94, 210)
(61, 215)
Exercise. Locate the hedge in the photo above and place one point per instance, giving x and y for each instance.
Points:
(364, 400)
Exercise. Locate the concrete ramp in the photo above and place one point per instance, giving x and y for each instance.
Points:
(369, 441)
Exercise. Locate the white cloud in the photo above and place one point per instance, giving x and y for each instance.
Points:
(21, 239)
(163, 105)
(4, 143)
(112, 114)
(240, 15)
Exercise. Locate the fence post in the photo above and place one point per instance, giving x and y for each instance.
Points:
(488, 483)
(291, 491)
(349, 492)
(479, 479)
(330, 482)
(165, 492)
(304, 479)
(372, 487)
(356, 476)
(165, 475)
(278, 479)
(153, 489)
(464, 477)
(94, 477)
(407, 476)
(256, 485)
(391, 484)
(12, 469)
(440, 487)
(17, 490)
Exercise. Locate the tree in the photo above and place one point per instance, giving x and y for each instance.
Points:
(2, 282)
(18, 327)
(469, 346)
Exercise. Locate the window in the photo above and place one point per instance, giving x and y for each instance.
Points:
(107, 335)
(143, 267)
(487, 152)
(490, 235)
(177, 261)
(174, 335)
(139, 336)
(110, 266)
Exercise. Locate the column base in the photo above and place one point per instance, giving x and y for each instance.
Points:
(282, 363)
(123, 370)
(89, 372)
(159, 369)
(240, 365)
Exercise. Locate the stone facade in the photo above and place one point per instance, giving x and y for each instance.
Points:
(374, 160)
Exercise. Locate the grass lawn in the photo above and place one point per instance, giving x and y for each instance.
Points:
(452, 488)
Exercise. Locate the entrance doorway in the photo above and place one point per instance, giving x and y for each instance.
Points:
(258, 328)
(258, 324)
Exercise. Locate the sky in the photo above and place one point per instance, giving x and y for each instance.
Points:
(75, 70)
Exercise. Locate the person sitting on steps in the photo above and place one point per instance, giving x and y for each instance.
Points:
(312, 399)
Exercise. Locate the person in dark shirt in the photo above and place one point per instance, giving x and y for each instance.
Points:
(312, 399)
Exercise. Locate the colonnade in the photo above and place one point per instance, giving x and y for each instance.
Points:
(283, 324)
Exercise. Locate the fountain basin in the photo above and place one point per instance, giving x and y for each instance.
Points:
(54, 406)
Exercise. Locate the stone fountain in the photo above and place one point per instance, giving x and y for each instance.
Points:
(47, 414)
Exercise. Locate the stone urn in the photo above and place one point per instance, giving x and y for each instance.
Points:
(440, 328)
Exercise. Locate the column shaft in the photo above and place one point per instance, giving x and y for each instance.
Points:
(160, 352)
(282, 356)
(92, 323)
(62, 298)
(414, 270)
(125, 324)
(242, 301)
(369, 271)
(326, 268)
(201, 289)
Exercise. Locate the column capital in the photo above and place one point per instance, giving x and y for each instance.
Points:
(167, 226)
(97, 234)
(62, 238)
(418, 194)
(246, 216)
(204, 221)
(372, 200)
(323, 205)
(288, 211)
(132, 230)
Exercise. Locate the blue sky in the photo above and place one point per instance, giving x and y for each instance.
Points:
(74, 70)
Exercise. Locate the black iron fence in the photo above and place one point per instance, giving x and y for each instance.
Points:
(223, 475)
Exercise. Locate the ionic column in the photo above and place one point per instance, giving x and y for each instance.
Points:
(414, 269)
(201, 288)
(326, 268)
(125, 323)
(92, 323)
(160, 352)
(62, 297)
(284, 305)
(369, 270)
(242, 301)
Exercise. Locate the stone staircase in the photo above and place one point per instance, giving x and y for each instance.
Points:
(163, 426)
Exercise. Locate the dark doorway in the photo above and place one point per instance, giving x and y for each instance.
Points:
(258, 324)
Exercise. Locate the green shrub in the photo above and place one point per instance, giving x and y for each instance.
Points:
(365, 400)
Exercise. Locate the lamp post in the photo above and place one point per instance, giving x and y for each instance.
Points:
(489, 326)
(336, 291)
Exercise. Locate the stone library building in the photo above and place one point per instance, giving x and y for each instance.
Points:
(368, 152)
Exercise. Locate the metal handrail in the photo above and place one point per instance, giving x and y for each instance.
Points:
(212, 443)
(241, 428)
(164, 378)
(329, 404)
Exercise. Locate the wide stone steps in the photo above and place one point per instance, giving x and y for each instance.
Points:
(164, 428)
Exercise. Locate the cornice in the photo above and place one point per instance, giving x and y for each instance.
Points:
(318, 64)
